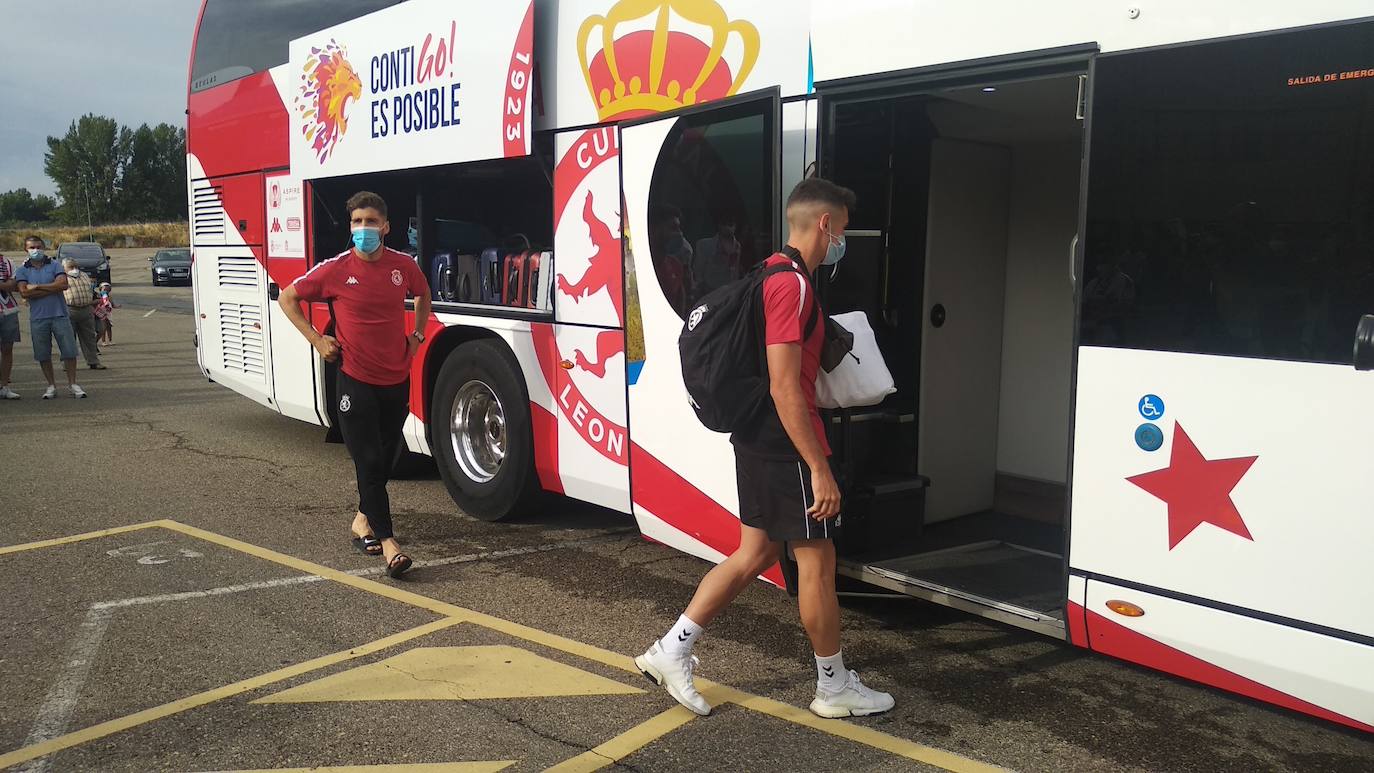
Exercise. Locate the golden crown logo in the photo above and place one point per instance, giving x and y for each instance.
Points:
(646, 71)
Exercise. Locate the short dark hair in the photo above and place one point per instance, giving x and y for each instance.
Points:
(34, 238)
(366, 200)
(816, 190)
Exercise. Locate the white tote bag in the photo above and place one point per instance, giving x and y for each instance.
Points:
(862, 378)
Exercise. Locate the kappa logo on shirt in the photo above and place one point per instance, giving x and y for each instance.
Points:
(352, 281)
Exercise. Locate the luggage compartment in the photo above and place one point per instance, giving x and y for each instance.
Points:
(961, 253)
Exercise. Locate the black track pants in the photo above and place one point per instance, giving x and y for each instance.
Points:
(371, 419)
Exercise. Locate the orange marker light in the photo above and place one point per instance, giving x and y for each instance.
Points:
(1125, 608)
(565, 365)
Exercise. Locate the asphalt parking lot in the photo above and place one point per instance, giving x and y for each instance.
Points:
(181, 595)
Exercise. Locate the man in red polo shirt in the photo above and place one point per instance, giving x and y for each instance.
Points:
(787, 493)
(367, 288)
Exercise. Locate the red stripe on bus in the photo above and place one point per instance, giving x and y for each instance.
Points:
(686, 508)
(1112, 638)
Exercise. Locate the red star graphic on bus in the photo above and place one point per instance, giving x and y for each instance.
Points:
(1196, 489)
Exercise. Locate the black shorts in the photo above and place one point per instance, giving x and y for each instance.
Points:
(775, 495)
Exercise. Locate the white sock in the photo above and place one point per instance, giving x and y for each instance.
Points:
(680, 638)
(830, 673)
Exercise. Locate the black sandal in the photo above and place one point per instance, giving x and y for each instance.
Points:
(398, 565)
(368, 546)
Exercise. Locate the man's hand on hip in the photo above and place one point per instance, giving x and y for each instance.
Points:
(328, 347)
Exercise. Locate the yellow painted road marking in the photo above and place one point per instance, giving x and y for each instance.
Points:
(455, 674)
(428, 767)
(626, 743)
(455, 614)
(210, 696)
(857, 733)
(48, 543)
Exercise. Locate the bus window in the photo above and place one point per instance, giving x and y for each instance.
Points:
(1231, 199)
(240, 37)
(711, 202)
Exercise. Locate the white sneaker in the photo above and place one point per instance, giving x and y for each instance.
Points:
(675, 674)
(8, 394)
(78, 391)
(855, 700)
(50, 393)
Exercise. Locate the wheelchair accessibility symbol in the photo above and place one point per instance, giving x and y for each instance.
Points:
(1151, 407)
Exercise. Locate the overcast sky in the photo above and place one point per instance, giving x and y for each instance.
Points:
(125, 59)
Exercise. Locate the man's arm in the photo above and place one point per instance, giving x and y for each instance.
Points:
(55, 287)
(422, 304)
(784, 384)
(290, 303)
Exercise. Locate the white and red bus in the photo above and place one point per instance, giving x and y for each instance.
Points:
(1115, 258)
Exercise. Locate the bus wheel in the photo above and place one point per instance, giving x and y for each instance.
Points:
(481, 431)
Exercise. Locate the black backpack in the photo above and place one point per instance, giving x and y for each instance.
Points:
(724, 365)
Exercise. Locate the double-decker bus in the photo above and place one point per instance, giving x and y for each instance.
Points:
(1115, 258)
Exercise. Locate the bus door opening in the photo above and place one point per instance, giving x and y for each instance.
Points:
(961, 255)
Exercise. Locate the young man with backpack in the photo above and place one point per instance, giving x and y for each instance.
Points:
(787, 492)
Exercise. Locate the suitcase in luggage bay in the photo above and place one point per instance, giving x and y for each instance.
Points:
(489, 266)
(513, 286)
(467, 281)
(441, 277)
(541, 281)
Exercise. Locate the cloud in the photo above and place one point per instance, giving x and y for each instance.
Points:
(64, 58)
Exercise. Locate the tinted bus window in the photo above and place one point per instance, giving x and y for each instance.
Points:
(1231, 198)
(241, 37)
(711, 201)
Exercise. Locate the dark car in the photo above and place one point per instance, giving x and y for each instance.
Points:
(90, 257)
(171, 267)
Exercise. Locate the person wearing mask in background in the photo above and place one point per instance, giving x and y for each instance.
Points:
(787, 492)
(104, 314)
(367, 288)
(9, 326)
(81, 299)
(42, 283)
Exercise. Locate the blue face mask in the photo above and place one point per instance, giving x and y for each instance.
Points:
(367, 240)
(835, 252)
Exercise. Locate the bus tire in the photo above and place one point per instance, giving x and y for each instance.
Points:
(481, 433)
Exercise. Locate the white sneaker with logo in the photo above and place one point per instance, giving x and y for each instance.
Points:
(854, 700)
(77, 391)
(674, 674)
(8, 394)
(50, 393)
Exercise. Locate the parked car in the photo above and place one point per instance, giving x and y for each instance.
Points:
(90, 257)
(171, 267)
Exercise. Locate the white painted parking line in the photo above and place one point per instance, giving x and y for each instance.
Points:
(56, 711)
(149, 314)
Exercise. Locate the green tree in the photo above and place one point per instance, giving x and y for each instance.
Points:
(21, 206)
(87, 164)
(153, 186)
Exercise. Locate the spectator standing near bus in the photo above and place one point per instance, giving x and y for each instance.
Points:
(80, 297)
(104, 315)
(42, 283)
(9, 326)
(787, 492)
(367, 288)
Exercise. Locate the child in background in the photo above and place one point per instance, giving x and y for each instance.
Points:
(104, 313)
